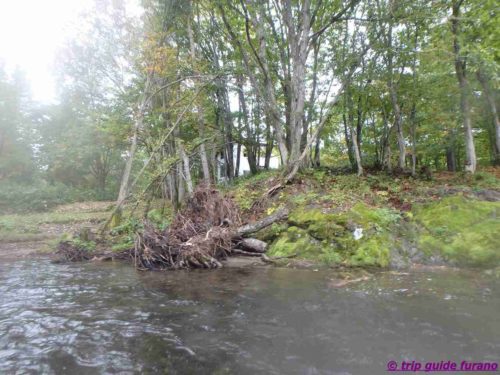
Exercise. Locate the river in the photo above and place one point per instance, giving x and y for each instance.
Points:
(108, 318)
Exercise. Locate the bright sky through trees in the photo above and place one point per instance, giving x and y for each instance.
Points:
(31, 31)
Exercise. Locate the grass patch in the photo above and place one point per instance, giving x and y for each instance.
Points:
(37, 226)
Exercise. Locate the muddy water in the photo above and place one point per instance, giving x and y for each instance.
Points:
(91, 319)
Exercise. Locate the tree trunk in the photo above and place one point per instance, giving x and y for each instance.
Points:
(398, 123)
(357, 154)
(186, 168)
(201, 118)
(255, 227)
(388, 157)
(299, 43)
(228, 135)
(180, 186)
(238, 156)
(138, 124)
(460, 70)
(391, 85)
(413, 139)
(490, 96)
(451, 161)
(317, 158)
(250, 141)
(348, 141)
(266, 93)
(124, 185)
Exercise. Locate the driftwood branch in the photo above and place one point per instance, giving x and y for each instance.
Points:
(252, 244)
(246, 253)
(261, 224)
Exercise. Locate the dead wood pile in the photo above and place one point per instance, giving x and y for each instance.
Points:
(205, 232)
(68, 252)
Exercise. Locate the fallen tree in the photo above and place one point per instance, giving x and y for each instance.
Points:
(205, 232)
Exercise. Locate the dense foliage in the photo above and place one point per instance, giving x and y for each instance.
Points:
(193, 90)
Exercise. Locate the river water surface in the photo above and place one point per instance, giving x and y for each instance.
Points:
(108, 318)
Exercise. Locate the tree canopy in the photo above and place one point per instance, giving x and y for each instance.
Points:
(193, 91)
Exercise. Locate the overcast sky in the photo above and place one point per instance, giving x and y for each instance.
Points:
(31, 31)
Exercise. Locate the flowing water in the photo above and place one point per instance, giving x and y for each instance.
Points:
(108, 318)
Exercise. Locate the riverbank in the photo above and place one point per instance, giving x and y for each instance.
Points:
(334, 220)
(32, 234)
(378, 220)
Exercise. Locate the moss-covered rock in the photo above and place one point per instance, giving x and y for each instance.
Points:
(374, 251)
(328, 237)
(297, 242)
(320, 225)
(463, 231)
(272, 232)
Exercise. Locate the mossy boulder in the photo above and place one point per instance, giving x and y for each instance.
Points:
(374, 251)
(463, 231)
(297, 242)
(328, 237)
(320, 225)
(272, 232)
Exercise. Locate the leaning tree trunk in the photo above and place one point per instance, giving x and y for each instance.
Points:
(125, 183)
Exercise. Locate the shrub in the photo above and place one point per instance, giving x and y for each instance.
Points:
(40, 196)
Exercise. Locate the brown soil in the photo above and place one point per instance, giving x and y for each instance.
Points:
(21, 250)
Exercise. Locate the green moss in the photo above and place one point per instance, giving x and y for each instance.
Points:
(116, 219)
(82, 244)
(246, 190)
(328, 238)
(368, 216)
(462, 230)
(296, 241)
(375, 251)
(126, 245)
(305, 198)
(320, 225)
(272, 232)
(159, 218)
(302, 217)
(326, 230)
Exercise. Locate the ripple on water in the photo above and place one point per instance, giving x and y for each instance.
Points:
(109, 319)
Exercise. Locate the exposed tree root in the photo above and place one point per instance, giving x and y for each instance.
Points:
(207, 231)
(68, 252)
(204, 233)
